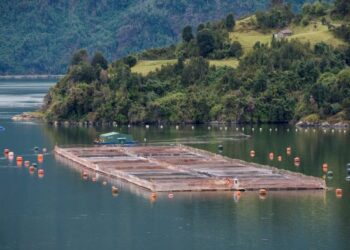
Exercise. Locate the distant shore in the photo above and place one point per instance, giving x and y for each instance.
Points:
(30, 77)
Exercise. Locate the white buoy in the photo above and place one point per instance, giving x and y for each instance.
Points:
(242, 128)
(177, 127)
(144, 139)
(276, 129)
(209, 128)
(147, 126)
(314, 130)
(253, 129)
(220, 128)
(161, 126)
(260, 129)
(129, 126)
(296, 130)
(270, 129)
(236, 129)
(192, 127)
(225, 128)
(332, 130)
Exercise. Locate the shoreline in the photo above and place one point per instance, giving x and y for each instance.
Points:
(30, 77)
(38, 116)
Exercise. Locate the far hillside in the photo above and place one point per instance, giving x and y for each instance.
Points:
(243, 71)
(227, 40)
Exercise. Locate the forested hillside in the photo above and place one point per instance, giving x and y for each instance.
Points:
(40, 36)
(281, 80)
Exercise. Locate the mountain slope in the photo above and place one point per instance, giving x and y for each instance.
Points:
(39, 36)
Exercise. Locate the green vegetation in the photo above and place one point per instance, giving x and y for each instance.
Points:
(203, 78)
(40, 36)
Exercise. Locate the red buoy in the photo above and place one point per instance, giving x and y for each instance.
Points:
(325, 167)
(339, 192)
(31, 169)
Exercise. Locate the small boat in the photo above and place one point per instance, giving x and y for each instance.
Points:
(2, 128)
(114, 138)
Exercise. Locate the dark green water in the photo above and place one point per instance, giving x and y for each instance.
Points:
(61, 211)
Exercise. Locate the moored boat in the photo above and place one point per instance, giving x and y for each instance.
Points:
(114, 138)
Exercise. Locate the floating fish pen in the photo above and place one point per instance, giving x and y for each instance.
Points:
(183, 168)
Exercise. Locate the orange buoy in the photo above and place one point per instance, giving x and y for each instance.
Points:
(170, 195)
(339, 192)
(325, 167)
(40, 158)
(279, 158)
(252, 153)
(236, 195)
(153, 195)
(271, 156)
(41, 173)
(19, 158)
(289, 150)
(26, 163)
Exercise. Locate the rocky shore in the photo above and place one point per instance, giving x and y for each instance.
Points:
(27, 116)
(323, 124)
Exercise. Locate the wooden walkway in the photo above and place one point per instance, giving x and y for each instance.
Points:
(182, 168)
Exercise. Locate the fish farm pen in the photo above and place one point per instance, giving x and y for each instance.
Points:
(183, 168)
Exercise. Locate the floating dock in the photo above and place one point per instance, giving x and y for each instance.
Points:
(183, 168)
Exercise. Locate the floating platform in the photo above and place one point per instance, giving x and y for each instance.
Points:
(183, 168)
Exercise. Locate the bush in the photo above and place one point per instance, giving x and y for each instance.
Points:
(311, 118)
(130, 61)
(230, 22)
(205, 42)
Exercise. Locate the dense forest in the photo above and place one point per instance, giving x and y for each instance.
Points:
(40, 36)
(282, 81)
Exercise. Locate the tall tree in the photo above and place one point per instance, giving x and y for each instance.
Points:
(99, 60)
(230, 22)
(187, 33)
(206, 42)
(79, 57)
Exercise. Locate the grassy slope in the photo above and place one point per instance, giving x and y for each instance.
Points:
(248, 36)
(311, 33)
(146, 66)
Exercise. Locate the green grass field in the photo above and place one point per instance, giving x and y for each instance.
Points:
(145, 66)
(313, 33)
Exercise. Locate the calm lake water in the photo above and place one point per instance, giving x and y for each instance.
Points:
(61, 211)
